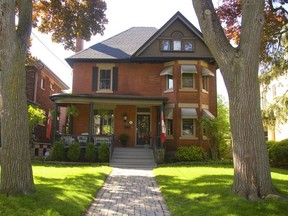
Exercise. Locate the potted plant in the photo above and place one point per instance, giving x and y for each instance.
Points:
(123, 138)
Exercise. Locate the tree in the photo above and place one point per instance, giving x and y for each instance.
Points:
(239, 67)
(217, 130)
(67, 20)
(273, 51)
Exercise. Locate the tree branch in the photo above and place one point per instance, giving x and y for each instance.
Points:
(25, 22)
(212, 30)
(281, 8)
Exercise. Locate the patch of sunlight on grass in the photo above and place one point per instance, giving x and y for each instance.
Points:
(205, 190)
(196, 195)
(60, 190)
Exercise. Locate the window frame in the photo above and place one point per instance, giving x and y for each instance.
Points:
(205, 83)
(109, 117)
(193, 135)
(168, 86)
(42, 83)
(169, 127)
(193, 81)
(99, 80)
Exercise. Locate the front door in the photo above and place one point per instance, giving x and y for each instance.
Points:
(143, 129)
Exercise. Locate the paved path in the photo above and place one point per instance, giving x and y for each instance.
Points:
(129, 192)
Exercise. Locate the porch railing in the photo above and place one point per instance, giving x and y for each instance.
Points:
(83, 139)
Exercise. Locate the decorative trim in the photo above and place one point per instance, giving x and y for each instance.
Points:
(188, 105)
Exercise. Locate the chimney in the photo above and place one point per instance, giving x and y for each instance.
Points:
(79, 44)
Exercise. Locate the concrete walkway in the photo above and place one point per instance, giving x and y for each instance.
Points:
(129, 192)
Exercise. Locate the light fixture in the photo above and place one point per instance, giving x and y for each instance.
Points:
(125, 117)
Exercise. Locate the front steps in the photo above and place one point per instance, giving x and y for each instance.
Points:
(132, 158)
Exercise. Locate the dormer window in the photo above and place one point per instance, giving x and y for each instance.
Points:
(177, 42)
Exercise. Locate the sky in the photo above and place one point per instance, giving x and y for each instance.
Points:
(121, 16)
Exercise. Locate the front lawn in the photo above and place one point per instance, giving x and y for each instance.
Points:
(205, 190)
(60, 190)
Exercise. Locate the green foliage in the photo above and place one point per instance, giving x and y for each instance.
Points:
(91, 153)
(192, 153)
(278, 153)
(278, 110)
(103, 152)
(218, 131)
(60, 190)
(124, 138)
(206, 190)
(73, 151)
(67, 20)
(72, 110)
(58, 151)
(36, 116)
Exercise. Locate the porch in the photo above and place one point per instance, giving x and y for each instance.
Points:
(105, 118)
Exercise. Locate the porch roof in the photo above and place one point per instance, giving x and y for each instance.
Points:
(108, 99)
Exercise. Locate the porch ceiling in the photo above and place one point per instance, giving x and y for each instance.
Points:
(108, 99)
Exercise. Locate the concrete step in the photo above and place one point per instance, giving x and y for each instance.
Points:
(133, 158)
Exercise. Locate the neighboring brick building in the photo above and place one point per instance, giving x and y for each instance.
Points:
(41, 82)
(121, 84)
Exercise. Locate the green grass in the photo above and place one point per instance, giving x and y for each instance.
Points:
(60, 190)
(205, 190)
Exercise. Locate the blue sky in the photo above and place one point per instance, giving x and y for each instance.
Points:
(121, 15)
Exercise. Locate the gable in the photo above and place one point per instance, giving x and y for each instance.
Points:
(178, 28)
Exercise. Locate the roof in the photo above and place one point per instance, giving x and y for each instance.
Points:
(40, 65)
(127, 45)
(108, 99)
(121, 46)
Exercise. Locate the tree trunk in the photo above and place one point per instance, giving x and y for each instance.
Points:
(16, 169)
(239, 67)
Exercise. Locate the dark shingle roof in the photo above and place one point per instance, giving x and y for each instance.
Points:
(121, 46)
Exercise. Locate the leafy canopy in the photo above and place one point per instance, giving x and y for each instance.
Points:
(68, 19)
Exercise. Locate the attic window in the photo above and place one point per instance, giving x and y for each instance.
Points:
(177, 42)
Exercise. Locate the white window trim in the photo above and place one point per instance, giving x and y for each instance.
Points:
(193, 136)
(42, 82)
(111, 81)
(188, 88)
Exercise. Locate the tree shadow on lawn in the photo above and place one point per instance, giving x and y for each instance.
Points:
(210, 194)
(68, 196)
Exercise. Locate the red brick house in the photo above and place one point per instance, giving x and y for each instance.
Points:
(41, 82)
(121, 84)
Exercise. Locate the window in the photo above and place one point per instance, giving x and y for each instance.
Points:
(42, 83)
(188, 45)
(105, 80)
(169, 85)
(188, 127)
(204, 83)
(177, 42)
(165, 45)
(188, 80)
(51, 87)
(169, 127)
(177, 45)
(103, 122)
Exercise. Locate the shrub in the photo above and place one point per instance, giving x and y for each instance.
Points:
(192, 153)
(73, 151)
(58, 151)
(278, 153)
(90, 153)
(103, 152)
